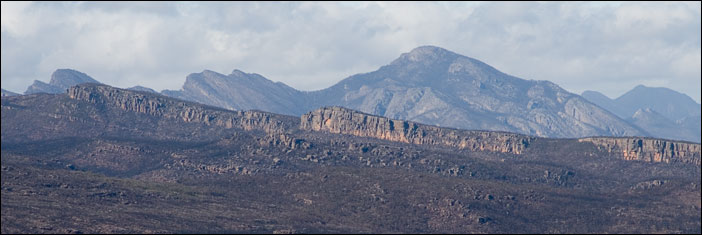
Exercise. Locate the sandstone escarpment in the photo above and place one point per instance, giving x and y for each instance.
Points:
(156, 105)
(647, 149)
(346, 121)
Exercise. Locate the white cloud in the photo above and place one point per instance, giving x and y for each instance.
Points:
(311, 45)
(15, 19)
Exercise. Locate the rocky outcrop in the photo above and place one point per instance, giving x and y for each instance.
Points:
(648, 149)
(345, 121)
(161, 106)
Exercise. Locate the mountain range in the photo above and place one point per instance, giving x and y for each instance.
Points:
(436, 86)
(61, 80)
(429, 85)
(99, 159)
(659, 111)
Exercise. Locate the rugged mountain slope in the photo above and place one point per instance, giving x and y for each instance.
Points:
(661, 112)
(603, 101)
(435, 86)
(101, 159)
(61, 80)
(240, 91)
(429, 85)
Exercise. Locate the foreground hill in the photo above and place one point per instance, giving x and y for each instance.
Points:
(105, 160)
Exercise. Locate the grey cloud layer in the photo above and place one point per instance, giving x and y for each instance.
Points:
(596, 46)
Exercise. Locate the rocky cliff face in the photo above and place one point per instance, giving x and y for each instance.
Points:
(157, 105)
(647, 149)
(346, 121)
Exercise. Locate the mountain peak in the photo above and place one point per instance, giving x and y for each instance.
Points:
(61, 79)
(641, 86)
(594, 94)
(669, 103)
(209, 73)
(237, 73)
(64, 78)
(427, 53)
(429, 49)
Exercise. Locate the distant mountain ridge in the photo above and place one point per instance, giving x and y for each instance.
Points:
(428, 85)
(434, 86)
(8, 93)
(669, 103)
(141, 88)
(61, 80)
(240, 91)
(660, 111)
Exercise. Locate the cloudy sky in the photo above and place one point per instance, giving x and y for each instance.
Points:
(609, 47)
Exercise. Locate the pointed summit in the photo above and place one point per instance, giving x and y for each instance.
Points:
(65, 78)
(61, 80)
(237, 72)
(669, 103)
(662, 112)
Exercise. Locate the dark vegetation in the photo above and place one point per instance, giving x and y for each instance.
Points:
(70, 166)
